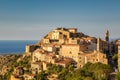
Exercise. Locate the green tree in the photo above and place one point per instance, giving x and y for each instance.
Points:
(97, 71)
(117, 77)
(63, 73)
(7, 75)
(115, 57)
(55, 69)
(41, 76)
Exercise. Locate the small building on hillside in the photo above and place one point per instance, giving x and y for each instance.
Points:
(92, 57)
(118, 44)
(29, 76)
(5, 69)
(64, 62)
(18, 71)
(36, 67)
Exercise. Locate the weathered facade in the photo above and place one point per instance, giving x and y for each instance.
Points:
(118, 44)
(92, 57)
(68, 43)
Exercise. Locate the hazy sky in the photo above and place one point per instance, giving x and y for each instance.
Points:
(32, 19)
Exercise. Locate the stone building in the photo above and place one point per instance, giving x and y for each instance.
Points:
(30, 48)
(118, 43)
(46, 65)
(29, 76)
(73, 50)
(49, 47)
(72, 30)
(69, 43)
(70, 51)
(36, 67)
(102, 45)
(73, 41)
(60, 33)
(46, 40)
(92, 57)
(64, 62)
(18, 71)
(38, 55)
(82, 56)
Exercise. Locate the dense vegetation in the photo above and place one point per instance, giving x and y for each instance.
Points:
(115, 59)
(97, 71)
(90, 71)
(8, 60)
(7, 75)
(117, 77)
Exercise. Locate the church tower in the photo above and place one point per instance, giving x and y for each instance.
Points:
(107, 36)
(98, 44)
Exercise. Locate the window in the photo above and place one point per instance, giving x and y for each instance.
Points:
(103, 56)
(79, 57)
(80, 66)
(96, 59)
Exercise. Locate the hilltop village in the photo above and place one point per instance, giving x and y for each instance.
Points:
(64, 47)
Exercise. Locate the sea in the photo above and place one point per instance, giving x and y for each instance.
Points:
(14, 46)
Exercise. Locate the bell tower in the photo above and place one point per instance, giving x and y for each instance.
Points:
(107, 36)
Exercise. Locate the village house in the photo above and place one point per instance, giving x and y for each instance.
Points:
(36, 67)
(29, 76)
(38, 55)
(49, 47)
(17, 74)
(64, 62)
(46, 65)
(5, 69)
(103, 45)
(92, 57)
(46, 40)
(18, 71)
(70, 51)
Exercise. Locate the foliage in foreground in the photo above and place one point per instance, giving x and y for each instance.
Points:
(97, 71)
(117, 77)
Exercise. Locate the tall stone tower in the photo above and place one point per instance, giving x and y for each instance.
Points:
(107, 36)
(98, 44)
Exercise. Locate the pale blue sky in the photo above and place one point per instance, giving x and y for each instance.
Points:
(32, 19)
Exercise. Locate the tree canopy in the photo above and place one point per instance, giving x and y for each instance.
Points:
(89, 71)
